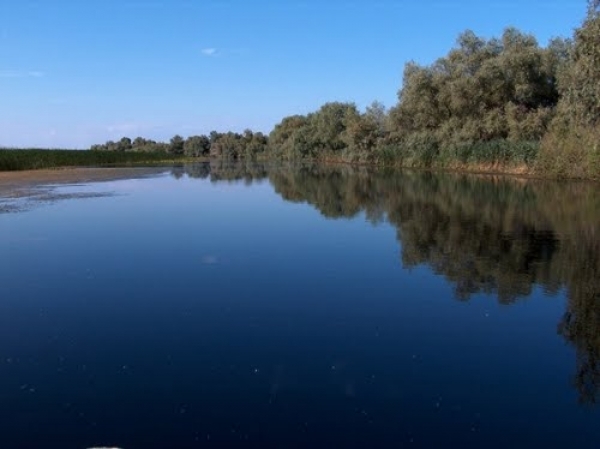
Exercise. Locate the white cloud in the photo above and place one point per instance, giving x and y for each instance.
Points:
(209, 51)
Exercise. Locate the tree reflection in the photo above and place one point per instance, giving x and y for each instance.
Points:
(500, 236)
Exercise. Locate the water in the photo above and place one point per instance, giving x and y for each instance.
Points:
(262, 306)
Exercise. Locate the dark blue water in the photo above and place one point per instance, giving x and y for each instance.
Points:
(257, 306)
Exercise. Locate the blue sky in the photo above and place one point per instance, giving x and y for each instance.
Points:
(73, 72)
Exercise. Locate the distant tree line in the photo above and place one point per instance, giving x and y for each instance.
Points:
(497, 103)
(228, 145)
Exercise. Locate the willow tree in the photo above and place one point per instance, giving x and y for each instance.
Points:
(580, 87)
(482, 90)
(572, 147)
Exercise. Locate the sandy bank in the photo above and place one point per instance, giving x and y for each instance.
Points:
(11, 182)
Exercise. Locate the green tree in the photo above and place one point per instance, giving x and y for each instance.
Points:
(581, 83)
(572, 146)
(196, 146)
(376, 113)
(124, 144)
(257, 145)
(228, 145)
(176, 145)
(145, 145)
(291, 137)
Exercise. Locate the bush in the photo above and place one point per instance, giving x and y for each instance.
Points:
(571, 154)
(420, 149)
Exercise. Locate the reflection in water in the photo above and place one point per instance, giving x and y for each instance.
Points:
(503, 236)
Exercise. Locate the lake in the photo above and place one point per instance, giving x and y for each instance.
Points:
(222, 305)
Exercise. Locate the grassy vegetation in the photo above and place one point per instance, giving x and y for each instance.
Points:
(35, 159)
(572, 154)
(424, 151)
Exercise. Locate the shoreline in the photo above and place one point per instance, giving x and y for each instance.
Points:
(493, 170)
(12, 181)
(16, 179)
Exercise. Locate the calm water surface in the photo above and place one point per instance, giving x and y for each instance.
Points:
(257, 306)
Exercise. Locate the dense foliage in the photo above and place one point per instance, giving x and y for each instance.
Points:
(488, 101)
(572, 148)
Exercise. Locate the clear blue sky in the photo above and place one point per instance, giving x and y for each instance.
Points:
(76, 72)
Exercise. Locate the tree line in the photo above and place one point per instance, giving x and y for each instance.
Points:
(228, 145)
(505, 103)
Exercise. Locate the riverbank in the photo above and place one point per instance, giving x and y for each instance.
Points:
(13, 183)
(56, 165)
